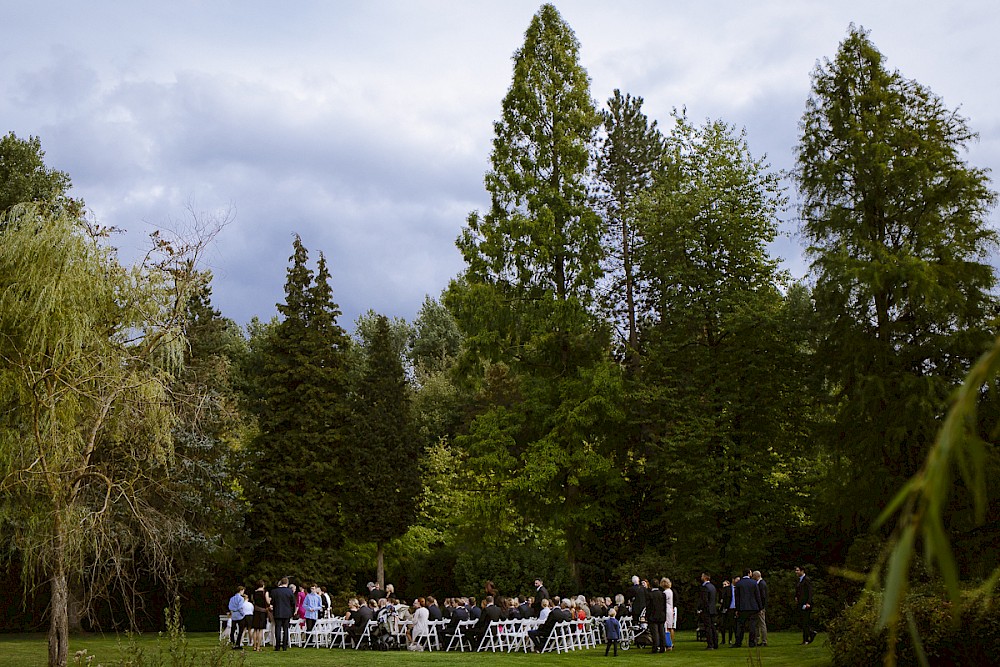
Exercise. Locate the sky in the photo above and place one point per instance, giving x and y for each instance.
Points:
(366, 127)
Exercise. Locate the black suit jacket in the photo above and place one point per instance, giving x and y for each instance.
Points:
(556, 615)
(490, 613)
(656, 606)
(804, 591)
(637, 594)
(747, 595)
(283, 602)
(708, 599)
(536, 605)
(727, 598)
(433, 613)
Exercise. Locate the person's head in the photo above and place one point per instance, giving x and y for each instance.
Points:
(239, 590)
(390, 590)
(489, 599)
(371, 585)
(705, 576)
(420, 602)
(645, 583)
(564, 604)
(619, 599)
(635, 579)
(756, 575)
(538, 582)
(799, 570)
(353, 604)
(665, 583)
(283, 582)
(612, 612)
(293, 587)
(260, 583)
(748, 572)
(545, 603)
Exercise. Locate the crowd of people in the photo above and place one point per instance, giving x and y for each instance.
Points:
(739, 611)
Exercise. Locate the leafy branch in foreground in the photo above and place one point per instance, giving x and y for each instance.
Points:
(922, 502)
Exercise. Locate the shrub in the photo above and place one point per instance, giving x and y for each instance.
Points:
(856, 639)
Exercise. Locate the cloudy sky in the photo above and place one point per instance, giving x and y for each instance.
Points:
(365, 127)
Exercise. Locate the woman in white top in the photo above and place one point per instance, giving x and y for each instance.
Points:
(420, 626)
(671, 609)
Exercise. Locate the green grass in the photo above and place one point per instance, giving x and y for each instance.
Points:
(783, 650)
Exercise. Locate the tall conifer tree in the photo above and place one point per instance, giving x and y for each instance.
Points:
(298, 374)
(898, 233)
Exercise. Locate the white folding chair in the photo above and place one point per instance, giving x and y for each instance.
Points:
(491, 638)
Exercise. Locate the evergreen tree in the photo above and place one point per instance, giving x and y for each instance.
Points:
(629, 156)
(298, 391)
(898, 233)
(385, 454)
(526, 301)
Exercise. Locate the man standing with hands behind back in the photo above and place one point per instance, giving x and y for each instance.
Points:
(283, 606)
(803, 604)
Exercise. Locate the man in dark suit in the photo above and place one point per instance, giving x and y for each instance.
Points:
(524, 609)
(540, 594)
(458, 614)
(541, 634)
(636, 595)
(728, 612)
(656, 616)
(433, 611)
(762, 618)
(708, 602)
(748, 604)
(283, 607)
(491, 613)
(804, 604)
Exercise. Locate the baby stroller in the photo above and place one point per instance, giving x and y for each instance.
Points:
(643, 637)
(383, 637)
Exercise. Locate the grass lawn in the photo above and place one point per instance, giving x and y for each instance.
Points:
(783, 649)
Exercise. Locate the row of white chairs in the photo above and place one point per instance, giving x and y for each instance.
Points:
(500, 636)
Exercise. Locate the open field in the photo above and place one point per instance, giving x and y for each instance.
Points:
(783, 650)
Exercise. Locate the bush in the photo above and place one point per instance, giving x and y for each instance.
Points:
(856, 640)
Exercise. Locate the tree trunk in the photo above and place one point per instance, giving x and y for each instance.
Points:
(59, 618)
(380, 573)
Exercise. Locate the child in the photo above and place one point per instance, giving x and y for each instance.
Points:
(612, 631)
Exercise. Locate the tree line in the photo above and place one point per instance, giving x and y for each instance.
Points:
(621, 380)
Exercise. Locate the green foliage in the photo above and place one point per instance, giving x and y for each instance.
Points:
(858, 638)
(898, 232)
(297, 388)
(720, 372)
(383, 456)
(24, 178)
(630, 154)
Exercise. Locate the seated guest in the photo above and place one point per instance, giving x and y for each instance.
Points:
(545, 610)
(433, 611)
(540, 635)
(490, 613)
(458, 614)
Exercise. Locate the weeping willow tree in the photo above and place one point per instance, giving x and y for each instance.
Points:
(87, 347)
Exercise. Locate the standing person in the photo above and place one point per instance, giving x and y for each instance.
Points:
(236, 617)
(300, 601)
(804, 604)
(612, 632)
(656, 618)
(668, 592)
(747, 608)
(707, 605)
(636, 595)
(761, 618)
(247, 622)
(728, 612)
(313, 605)
(541, 593)
(283, 604)
(327, 612)
(261, 605)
